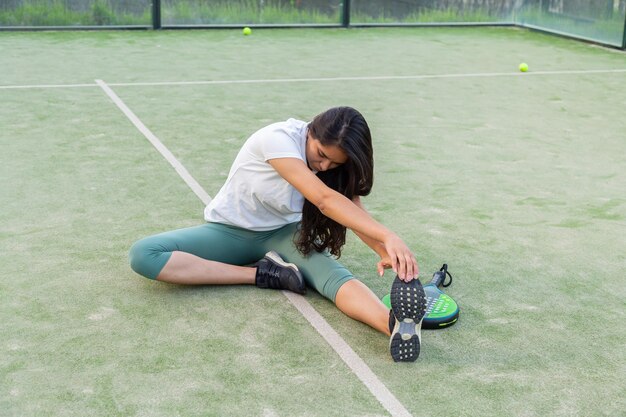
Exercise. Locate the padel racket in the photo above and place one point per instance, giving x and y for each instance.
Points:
(441, 310)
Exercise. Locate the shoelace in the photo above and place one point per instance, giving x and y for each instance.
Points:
(273, 275)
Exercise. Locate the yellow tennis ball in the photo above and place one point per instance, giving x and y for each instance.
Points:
(247, 31)
(523, 67)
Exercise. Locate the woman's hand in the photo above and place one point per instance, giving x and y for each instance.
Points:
(400, 258)
(384, 263)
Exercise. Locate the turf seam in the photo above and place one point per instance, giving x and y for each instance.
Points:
(354, 362)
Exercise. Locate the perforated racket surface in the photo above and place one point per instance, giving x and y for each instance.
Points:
(441, 310)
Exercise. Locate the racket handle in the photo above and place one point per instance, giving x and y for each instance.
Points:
(440, 276)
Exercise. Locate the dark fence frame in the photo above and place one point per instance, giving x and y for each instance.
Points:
(345, 23)
(624, 37)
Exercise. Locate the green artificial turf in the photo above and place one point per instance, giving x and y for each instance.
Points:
(516, 181)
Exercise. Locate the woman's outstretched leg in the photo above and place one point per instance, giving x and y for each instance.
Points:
(404, 325)
(357, 301)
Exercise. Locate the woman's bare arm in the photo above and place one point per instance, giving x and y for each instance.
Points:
(345, 212)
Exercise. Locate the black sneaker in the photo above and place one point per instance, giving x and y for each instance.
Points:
(273, 272)
(408, 306)
(392, 321)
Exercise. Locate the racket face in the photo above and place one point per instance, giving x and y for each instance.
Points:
(441, 310)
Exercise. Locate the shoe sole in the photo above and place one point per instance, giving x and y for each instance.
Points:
(275, 257)
(408, 303)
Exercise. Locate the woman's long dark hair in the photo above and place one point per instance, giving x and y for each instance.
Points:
(346, 128)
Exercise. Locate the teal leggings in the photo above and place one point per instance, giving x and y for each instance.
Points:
(236, 246)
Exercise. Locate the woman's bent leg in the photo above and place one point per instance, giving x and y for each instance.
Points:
(185, 268)
(206, 254)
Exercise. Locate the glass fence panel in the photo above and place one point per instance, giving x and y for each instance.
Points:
(75, 12)
(597, 20)
(235, 12)
(432, 11)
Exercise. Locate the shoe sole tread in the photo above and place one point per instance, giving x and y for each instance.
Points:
(408, 303)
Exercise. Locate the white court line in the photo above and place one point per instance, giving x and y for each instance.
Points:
(349, 356)
(182, 171)
(329, 79)
(345, 352)
(24, 87)
(371, 78)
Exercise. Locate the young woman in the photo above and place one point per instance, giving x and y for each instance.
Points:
(280, 222)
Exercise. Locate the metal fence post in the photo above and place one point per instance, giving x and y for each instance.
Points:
(156, 14)
(624, 34)
(346, 14)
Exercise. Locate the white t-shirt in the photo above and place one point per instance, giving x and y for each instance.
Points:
(255, 196)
